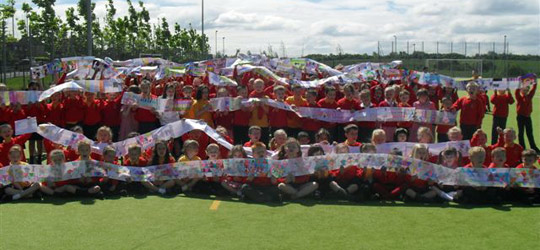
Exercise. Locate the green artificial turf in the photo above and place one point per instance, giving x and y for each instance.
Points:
(188, 223)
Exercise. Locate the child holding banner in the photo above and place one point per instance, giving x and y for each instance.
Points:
(260, 186)
(295, 186)
(524, 108)
(241, 118)
(19, 189)
(500, 99)
(472, 111)
(259, 113)
(6, 132)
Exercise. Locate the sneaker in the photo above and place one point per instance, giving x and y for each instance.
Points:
(162, 191)
(16, 197)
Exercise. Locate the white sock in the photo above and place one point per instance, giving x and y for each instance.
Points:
(16, 196)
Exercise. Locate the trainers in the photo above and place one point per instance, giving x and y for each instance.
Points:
(16, 197)
(162, 191)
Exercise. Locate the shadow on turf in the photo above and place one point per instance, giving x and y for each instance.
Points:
(304, 202)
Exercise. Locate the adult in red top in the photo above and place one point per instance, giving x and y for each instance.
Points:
(472, 111)
(524, 99)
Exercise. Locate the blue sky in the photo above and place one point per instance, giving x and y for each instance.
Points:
(320, 26)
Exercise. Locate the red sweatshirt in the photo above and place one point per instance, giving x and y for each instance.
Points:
(472, 110)
(6, 146)
(500, 104)
(524, 103)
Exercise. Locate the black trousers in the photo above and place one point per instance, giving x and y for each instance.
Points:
(497, 122)
(468, 131)
(240, 134)
(442, 137)
(526, 123)
(145, 127)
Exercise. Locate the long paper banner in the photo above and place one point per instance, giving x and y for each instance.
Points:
(496, 177)
(59, 88)
(381, 114)
(21, 97)
(100, 86)
(172, 130)
(434, 148)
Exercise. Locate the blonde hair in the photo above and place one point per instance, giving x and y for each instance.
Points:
(417, 148)
(479, 152)
(190, 143)
(341, 146)
(454, 129)
(377, 132)
(425, 131)
(498, 151)
(105, 129)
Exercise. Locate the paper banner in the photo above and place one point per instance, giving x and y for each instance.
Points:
(136, 99)
(61, 136)
(218, 80)
(21, 97)
(529, 178)
(434, 148)
(59, 88)
(26, 126)
(100, 86)
(170, 105)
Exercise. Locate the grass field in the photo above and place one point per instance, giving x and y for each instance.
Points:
(180, 222)
(203, 223)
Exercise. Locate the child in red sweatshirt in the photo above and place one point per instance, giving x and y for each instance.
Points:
(472, 111)
(524, 99)
(501, 100)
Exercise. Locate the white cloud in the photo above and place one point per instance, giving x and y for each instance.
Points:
(318, 26)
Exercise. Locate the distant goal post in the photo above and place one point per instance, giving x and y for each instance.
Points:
(460, 68)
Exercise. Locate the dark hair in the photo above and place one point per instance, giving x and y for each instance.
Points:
(401, 131)
(328, 89)
(169, 85)
(200, 90)
(238, 148)
(314, 149)
(155, 157)
(422, 92)
(322, 132)
(32, 84)
(134, 89)
(302, 134)
(396, 151)
(133, 134)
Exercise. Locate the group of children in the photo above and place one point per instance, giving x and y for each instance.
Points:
(102, 117)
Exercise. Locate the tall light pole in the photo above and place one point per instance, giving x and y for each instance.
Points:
(90, 43)
(223, 46)
(202, 26)
(395, 42)
(216, 49)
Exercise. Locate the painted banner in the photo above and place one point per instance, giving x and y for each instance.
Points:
(21, 97)
(476, 177)
(67, 86)
(26, 126)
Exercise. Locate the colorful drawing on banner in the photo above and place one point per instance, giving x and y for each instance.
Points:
(21, 97)
(26, 126)
(258, 168)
